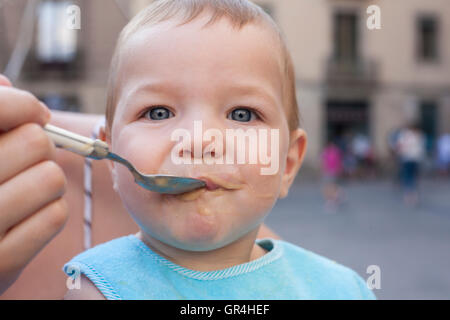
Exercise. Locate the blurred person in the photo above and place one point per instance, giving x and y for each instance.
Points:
(411, 151)
(443, 154)
(393, 152)
(362, 150)
(331, 159)
(349, 161)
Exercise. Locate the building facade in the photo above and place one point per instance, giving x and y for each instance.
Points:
(352, 78)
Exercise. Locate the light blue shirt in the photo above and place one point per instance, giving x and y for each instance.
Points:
(125, 268)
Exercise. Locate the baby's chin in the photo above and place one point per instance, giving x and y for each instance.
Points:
(193, 232)
(200, 217)
(200, 221)
(199, 235)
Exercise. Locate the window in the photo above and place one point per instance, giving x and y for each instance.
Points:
(57, 51)
(56, 43)
(427, 39)
(345, 37)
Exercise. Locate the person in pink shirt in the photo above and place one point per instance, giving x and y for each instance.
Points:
(331, 169)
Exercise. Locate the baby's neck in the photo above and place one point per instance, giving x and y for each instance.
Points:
(241, 251)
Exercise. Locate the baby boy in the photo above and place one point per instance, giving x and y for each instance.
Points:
(223, 65)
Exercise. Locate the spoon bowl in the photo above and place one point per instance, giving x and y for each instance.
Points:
(159, 182)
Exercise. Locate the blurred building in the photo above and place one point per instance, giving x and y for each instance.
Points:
(66, 68)
(349, 79)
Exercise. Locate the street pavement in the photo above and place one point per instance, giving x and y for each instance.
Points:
(411, 246)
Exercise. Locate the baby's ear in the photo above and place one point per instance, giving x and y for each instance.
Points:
(296, 153)
(102, 135)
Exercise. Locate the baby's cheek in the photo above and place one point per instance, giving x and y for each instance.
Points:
(250, 205)
(143, 148)
(138, 201)
(146, 156)
(264, 188)
(145, 160)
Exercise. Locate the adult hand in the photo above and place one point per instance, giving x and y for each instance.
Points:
(32, 210)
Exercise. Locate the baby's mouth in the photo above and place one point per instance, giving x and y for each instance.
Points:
(216, 184)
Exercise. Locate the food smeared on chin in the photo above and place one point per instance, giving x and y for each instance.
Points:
(191, 195)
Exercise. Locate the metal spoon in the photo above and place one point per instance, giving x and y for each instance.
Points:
(98, 150)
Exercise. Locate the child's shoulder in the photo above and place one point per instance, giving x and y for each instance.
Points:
(323, 272)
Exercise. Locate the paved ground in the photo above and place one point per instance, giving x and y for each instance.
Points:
(411, 246)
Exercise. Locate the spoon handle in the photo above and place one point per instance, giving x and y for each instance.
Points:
(84, 146)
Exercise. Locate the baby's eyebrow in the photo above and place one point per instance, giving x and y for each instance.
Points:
(238, 88)
(155, 86)
(251, 89)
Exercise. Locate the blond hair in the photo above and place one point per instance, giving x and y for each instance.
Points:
(238, 12)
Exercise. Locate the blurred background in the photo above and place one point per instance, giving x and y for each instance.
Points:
(375, 186)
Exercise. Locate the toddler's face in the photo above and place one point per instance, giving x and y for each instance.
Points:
(172, 76)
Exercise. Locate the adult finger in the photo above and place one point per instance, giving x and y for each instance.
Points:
(28, 192)
(18, 107)
(22, 242)
(23, 147)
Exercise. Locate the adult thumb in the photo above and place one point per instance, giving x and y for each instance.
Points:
(4, 81)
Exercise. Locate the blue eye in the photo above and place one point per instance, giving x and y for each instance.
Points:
(159, 113)
(242, 114)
